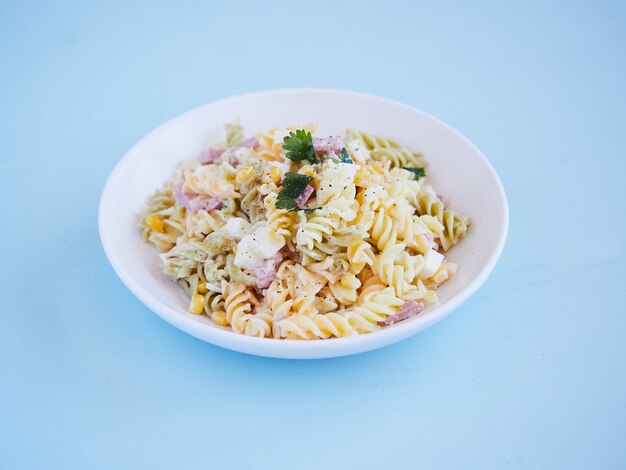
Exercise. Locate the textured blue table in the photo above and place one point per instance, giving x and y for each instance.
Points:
(530, 373)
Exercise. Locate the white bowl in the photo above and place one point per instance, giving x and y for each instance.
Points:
(456, 169)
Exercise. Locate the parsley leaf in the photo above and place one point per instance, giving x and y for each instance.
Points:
(308, 211)
(417, 172)
(299, 146)
(293, 185)
(345, 158)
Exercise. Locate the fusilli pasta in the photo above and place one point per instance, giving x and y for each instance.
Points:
(290, 236)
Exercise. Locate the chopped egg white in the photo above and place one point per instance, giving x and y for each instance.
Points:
(246, 257)
(357, 150)
(432, 261)
(256, 247)
(237, 228)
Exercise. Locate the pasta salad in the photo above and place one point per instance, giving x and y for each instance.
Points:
(292, 236)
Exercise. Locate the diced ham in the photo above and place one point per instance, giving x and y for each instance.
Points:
(250, 143)
(304, 196)
(267, 273)
(211, 155)
(327, 144)
(179, 194)
(206, 203)
(234, 161)
(408, 310)
(194, 201)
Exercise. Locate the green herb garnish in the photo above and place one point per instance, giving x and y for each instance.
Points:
(345, 158)
(299, 146)
(417, 172)
(293, 185)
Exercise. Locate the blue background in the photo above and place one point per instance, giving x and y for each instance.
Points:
(529, 373)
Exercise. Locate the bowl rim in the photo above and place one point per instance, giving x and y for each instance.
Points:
(285, 348)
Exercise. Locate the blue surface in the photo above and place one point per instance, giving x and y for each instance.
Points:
(530, 373)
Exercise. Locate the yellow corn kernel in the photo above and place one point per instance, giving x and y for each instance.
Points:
(308, 170)
(275, 174)
(219, 318)
(202, 288)
(197, 304)
(155, 223)
(243, 174)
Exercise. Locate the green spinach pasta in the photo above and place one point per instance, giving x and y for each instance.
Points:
(290, 236)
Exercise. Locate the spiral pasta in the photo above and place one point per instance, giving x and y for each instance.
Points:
(288, 236)
(316, 233)
(376, 306)
(206, 179)
(163, 222)
(395, 268)
(316, 326)
(383, 232)
(234, 133)
(239, 305)
(382, 149)
(454, 225)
